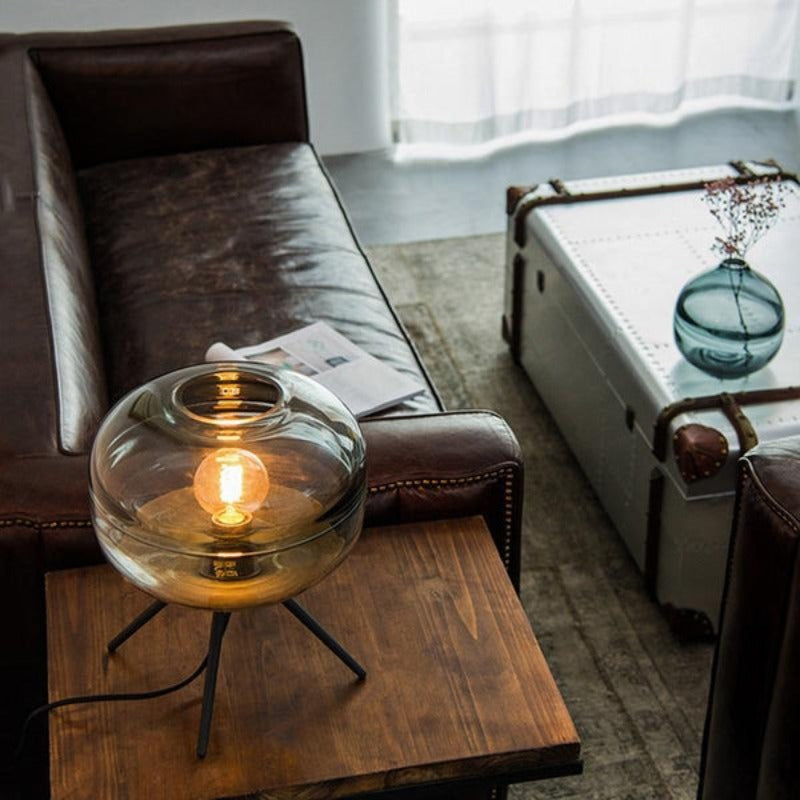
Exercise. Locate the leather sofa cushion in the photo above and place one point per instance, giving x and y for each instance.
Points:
(236, 244)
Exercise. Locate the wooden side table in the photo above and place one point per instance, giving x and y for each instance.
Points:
(457, 691)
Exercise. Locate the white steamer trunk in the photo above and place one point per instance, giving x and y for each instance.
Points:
(596, 288)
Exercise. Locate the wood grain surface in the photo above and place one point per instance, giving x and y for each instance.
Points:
(457, 686)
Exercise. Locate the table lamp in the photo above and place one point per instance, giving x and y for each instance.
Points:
(224, 486)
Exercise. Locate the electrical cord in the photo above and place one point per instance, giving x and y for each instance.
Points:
(104, 698)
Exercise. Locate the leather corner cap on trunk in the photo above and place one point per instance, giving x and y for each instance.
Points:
(236, 245)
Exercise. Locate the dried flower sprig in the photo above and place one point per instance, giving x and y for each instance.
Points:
(746, 211)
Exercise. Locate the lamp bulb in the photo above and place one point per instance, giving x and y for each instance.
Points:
(230, 484)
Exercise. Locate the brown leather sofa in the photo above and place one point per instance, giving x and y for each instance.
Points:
(158, 192)
(751, 748)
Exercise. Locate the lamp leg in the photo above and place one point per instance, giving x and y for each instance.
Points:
(134, 626)
(301, 614)
(219, 623)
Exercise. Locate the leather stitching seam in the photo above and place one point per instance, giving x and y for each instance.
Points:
(64, 523)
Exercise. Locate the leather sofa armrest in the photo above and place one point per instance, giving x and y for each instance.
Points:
(419, 467)
(752, 733)
(452, 464)
(136, 93)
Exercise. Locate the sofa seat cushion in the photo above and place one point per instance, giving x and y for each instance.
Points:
(236, 245)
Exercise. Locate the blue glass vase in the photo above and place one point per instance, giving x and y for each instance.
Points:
(729, 321)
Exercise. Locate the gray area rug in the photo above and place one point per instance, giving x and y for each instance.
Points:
(637, 696)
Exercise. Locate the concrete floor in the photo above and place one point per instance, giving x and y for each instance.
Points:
(390, 201)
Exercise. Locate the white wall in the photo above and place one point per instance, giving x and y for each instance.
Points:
(344, 43)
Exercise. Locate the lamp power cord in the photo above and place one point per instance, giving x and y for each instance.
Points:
(101, 698)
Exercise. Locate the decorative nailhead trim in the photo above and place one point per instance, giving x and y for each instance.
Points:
(508, 498)
(63, 523)
(689, 477)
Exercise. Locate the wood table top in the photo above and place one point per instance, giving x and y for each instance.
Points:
(457, 686)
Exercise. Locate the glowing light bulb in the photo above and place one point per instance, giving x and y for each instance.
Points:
(230, 484)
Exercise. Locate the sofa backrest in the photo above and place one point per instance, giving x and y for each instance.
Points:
(55, 389)
(131, 94)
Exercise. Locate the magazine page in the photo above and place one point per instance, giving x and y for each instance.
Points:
(362, 382)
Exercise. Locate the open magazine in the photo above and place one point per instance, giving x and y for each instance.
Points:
(362, 382)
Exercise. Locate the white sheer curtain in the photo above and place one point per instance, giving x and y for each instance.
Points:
(472, 71)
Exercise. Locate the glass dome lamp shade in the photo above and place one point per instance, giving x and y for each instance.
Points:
(227, 485)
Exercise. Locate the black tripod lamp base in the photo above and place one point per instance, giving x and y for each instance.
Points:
(219, 624)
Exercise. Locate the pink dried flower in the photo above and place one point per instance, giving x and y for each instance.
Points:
(746, 211)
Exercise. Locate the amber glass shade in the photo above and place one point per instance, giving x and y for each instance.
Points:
(227, 485)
